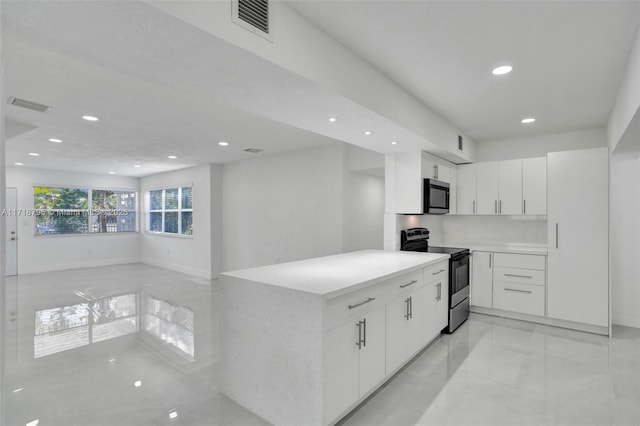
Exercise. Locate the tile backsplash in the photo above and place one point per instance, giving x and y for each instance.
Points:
(481, 229)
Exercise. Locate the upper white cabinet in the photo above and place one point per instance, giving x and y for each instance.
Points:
(405, 173)
(578, 205)
(510, 187)
(534, 186)
(466, 189)
(488, 178)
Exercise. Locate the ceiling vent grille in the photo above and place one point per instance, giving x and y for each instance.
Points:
(34, 106)
(252, 15)
(254, 150)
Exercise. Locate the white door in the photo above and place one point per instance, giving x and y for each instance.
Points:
(534, 186)
(11, 234)
(342, 369)
(578, 268)
(372, 354)
(481, 287)
(488, 176)
(443, 171)
(510, 187)
(466, 189)
(396, 333)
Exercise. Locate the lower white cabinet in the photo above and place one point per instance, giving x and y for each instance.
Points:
(355, 360)
(515, 297)
(437, 301)
(481, 279)
(406, 327)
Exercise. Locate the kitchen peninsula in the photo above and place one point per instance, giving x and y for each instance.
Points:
(305, 342)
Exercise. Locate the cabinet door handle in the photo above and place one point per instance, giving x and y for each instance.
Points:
(412, 282)
(518, 291)
(495, 206)
(406, 308)
(371, 299)
(474, 206)
(410, 307)
(556, 235)
(500, 207)
(439, 272)
(439, 296)
(524, 206)
(490, 255)
(364, 333)
(518, 276)
(359, 342)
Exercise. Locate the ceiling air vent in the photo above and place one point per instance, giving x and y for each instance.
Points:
(254, 150)
(28, 104)
(252, 15)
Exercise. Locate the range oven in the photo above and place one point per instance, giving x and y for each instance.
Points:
(417, 239)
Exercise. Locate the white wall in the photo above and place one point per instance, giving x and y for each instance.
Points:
(50, 253)
(188, 254)
(625, 239)
(297, 205)
(539, 146)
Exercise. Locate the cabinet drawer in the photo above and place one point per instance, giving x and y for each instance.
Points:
(406, 283)
(516, 275)
(523, 298)
(437, 272)
(526, 261)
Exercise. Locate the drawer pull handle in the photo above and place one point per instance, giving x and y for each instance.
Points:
(371, 299)
(409, 283)
(516, 290)
(439, 272)
(518, 276)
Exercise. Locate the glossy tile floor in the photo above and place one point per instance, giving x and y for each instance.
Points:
(137, 345)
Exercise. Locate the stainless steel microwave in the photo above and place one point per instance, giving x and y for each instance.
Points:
(436, 197)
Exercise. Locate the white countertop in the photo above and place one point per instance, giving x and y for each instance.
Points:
(339, 274)
(500, 248)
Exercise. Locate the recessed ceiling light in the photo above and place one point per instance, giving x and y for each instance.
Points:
(19, 164)
(34, 154)
(33, 422)
(137, 383)
(90, 118)
(112, 173)
(223, 143)
(333, 119)
(18, 390)
(528, 120)
(367, 132)
(394, 143)
(112, 360)
(55, 140)
(137, 166)
(173, 157)
(504, 69)
(173, 414)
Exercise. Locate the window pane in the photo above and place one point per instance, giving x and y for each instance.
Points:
(116, 223)
(171, 198)
(187, 222)
(62, 222)
(103, 199)
(60, 198)
(155, 221)
(171, 222)
(187, 195)
(156, 200)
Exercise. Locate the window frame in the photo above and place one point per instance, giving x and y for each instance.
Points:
(164, 210)
(86, 211)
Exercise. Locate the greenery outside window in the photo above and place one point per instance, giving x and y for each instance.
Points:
(61, 211)
(171, 211)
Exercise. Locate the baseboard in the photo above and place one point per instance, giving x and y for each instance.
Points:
(200, 273)
(589, 328)
(78, 265)
(626, 320)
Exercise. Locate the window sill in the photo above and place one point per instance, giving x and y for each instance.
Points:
(166, 234)
(84, 235)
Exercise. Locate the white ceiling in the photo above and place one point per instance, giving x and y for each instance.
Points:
(568, 57)
(162, 87)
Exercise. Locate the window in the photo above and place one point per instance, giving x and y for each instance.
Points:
(171, 211)
(83, 210)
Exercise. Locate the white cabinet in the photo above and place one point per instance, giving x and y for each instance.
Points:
(466, 189)
(437, 298)
(578, 282)
(355, 360)
(534, 186)
(488, 177)
(481, 286)
(404, 176)
(519, 283)
(406, 328)
(510, 187)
